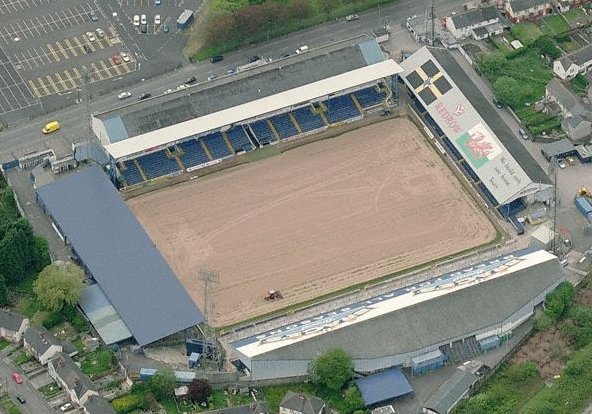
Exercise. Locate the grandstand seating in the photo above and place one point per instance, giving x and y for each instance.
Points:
(369, 97)
(307, 119)
(263, 132)
(193, 153)
(284, 125)
(216, 144)
(340, 109)
(131, 174)
(239, 139)
(467, 168)
(157, 164)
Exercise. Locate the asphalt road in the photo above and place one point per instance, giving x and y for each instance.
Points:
(27, 137)
(36, 403)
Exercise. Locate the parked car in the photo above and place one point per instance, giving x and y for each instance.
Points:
(212, 77)
(190, 80)
(124, 95)
(66, 407)
(284, 55)
(157, 19)
(497, 103)
(125, 57)
(231, 71)
(143, 28)
(217, 58)
(169, 90)
(302, 49)
(136, 20)
(523, 134)
(561, 163)
(143, 96)
(254, 58)
(157, 2)
(20, 399)
(100, 33)
(570, 160)
(116, 59)
(143, 19)
(87, 48)
(90, 36)
(93, 16)
(16, 377)
(351, 17)
(165, 28)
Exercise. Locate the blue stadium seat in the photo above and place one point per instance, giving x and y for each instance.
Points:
(193, 153)
(131, 173)
(262, 131)
(307, 119)
(216, 145)
(239, 139)
(340, 109)
(284, 126)
(369, 97)
(157, 164)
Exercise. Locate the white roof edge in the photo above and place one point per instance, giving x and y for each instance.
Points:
(254, 349)
(252, 109)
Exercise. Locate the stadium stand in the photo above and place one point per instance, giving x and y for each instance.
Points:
(131, 174)
(340, 109)
(157, 164)
(262, 131)
(308, 120)
(193, 153)
(284, 125)
(239, 139)
(369, 97)
(216, 145)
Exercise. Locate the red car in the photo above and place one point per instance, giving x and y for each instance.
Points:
(116, 59)
(17, 377)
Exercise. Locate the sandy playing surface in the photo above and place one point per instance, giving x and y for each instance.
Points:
(313, 220)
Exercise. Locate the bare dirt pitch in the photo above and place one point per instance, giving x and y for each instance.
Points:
(313, 220)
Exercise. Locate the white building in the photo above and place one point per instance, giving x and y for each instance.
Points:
(577, 62)
(463, 25)
(520, 10)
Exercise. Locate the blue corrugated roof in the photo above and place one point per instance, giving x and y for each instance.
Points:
(119, 254)
(384, 386)
(371, 52)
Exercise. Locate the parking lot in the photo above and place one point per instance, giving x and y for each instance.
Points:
(14, 94)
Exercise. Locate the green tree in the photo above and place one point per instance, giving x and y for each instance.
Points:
(353, 399)
(12, 257)
(547, 47)
(59, 284)
(331, 369)
(3, 292)
(493, 62)
(42, 252)
(199, 390)
(507, 90)
(162, 384)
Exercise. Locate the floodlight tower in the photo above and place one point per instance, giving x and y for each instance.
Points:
(553, 176)
(210, 278)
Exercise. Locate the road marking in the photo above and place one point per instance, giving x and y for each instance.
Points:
(96, 71)
(76, 72)
(60, 81)
(42, 84)
(52, 52)
(70, 79)
(116, 69)
(70, 47)
(106, 69)
(61, 49)
(51, 83)
(79, 45)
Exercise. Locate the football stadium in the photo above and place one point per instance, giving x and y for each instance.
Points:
(383, 184)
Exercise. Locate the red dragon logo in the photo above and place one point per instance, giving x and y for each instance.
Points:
(479, 145)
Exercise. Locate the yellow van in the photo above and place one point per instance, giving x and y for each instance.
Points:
(51, 127)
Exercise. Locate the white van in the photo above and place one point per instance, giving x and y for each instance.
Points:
(302, 49)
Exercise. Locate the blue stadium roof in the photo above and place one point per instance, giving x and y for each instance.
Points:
(384, 386)
(114, 247)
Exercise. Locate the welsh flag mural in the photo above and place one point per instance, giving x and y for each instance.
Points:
(478, 146)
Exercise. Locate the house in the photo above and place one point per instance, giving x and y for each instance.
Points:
(41, 344)
(68, 375)
(566, 5)
(576, 62)
(520, 10)
(12, 325)
(256, 407)
(473, 23)
(569, 103)
(294, 403)
(577, 128)
(95, 404)
(576, 115)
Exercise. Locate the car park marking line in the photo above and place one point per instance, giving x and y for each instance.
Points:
(79, 44)
(105, 68)
(116, 69)
(70, 78)
(45, 88)
(61, 49)
(34, 89)
(53, 53)
(71, 48)
(51, 83)
(96, 71)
